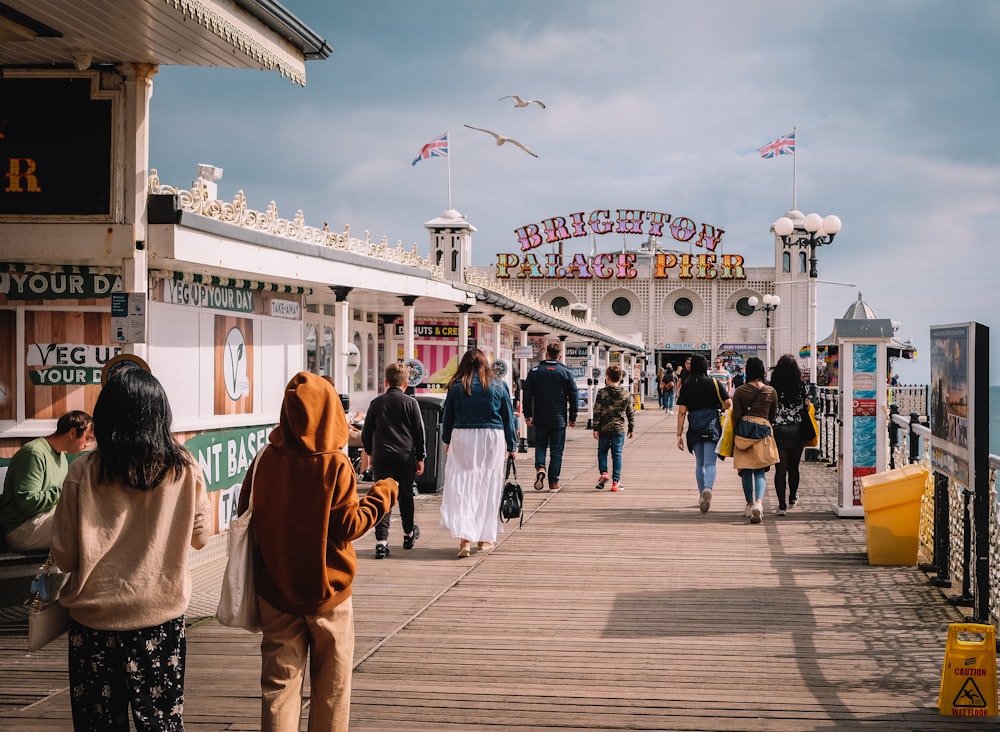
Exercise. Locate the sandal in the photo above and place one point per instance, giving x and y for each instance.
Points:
(465, 549)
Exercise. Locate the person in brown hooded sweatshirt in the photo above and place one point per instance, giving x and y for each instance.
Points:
(306, 513)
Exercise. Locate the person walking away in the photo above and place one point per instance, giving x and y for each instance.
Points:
(129, 513)
(613, 408)
(700, 401)
(793, 401)
(477, 430)
(550, 405)
(659, 388)
(667, 388)
(393, 436)
(756, 403)
(681, 375)
(34, 481)
(306, 514)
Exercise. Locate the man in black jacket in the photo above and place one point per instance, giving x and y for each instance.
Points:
(549, 393)
(393, 436)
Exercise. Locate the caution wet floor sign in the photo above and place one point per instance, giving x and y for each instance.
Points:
(969, 677)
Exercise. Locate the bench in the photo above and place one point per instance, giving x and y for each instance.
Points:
(21, 564)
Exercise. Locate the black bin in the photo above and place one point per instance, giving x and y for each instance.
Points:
(432, 411)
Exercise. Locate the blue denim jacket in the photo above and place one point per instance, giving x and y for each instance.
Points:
(488, 408)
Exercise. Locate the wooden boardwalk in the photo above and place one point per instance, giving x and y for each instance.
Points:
(605, 611)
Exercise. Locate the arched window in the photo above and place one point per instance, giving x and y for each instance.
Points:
(371, 364)
(802, 261)
(559, 302)
(359, 374)
(454, 261)
(786, 261)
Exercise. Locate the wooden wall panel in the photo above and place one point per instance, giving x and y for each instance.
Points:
(8, 384)
(52, 399)
(233, 389)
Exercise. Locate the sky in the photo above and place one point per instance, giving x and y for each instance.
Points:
(657, 105)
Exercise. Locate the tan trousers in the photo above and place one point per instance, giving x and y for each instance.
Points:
(33, 534)
(287, 642)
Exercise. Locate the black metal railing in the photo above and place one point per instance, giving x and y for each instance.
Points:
(959, 529)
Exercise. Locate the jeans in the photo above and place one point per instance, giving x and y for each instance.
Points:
(754, 483)
(704, 464)
(668, 399)
(614, 442)
(554, 438)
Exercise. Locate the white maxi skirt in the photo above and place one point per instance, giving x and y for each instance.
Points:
(473, 482)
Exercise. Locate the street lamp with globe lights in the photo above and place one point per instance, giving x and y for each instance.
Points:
(771, 303)
(815, 231)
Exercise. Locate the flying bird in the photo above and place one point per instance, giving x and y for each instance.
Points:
(501, 139)
(518, 102)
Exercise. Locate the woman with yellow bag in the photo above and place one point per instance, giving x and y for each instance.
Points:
(791, 424)
(755, 452)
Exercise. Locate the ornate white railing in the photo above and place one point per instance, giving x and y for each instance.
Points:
(197, 201)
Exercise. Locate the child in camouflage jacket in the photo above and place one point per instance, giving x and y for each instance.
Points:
(612, 410)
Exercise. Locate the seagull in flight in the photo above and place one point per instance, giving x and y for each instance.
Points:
(501, 139)
(518, 102)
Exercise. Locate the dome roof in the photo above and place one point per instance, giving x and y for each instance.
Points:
(860, 310)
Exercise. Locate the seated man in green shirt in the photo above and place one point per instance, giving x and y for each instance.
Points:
(34, 481)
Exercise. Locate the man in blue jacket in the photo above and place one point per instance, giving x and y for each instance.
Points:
(549, 395)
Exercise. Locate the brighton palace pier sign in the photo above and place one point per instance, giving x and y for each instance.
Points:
(620, 265)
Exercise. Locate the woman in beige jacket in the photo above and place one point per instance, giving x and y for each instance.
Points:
(128, 513)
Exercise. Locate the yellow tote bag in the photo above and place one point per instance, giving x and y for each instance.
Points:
(814, 442)
(724, 447)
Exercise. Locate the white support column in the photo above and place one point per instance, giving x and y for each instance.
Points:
(409, 326)
(341, 337)
(463, 330)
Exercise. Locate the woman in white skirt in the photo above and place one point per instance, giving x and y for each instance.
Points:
(478, 435)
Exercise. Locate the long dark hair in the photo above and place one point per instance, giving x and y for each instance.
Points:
(699, 367)
(473, 362)
(132, 425)
(786, 378)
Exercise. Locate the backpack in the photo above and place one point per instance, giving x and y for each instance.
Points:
(512, 498)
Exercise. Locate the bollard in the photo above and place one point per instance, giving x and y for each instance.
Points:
(969, 675)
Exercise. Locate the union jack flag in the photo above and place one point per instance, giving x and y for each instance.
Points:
(436, 148)
(782, 146)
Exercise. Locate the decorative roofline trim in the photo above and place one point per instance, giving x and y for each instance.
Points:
(228, 29)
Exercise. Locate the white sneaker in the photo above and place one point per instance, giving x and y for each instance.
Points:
(747, 511)
(705, 500)
(756, 513)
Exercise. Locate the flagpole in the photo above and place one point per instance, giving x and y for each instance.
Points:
(449, 171)
(795, 162)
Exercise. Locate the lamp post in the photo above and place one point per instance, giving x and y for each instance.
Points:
(771, 303)
(815, 231)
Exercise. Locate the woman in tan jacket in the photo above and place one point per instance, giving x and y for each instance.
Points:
(754, 405)
(128, 514)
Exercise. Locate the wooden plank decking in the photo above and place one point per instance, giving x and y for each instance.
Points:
(605, 611)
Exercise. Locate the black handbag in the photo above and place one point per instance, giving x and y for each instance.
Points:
(512, 498)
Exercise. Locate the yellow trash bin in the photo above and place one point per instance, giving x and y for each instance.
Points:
(891, 502)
